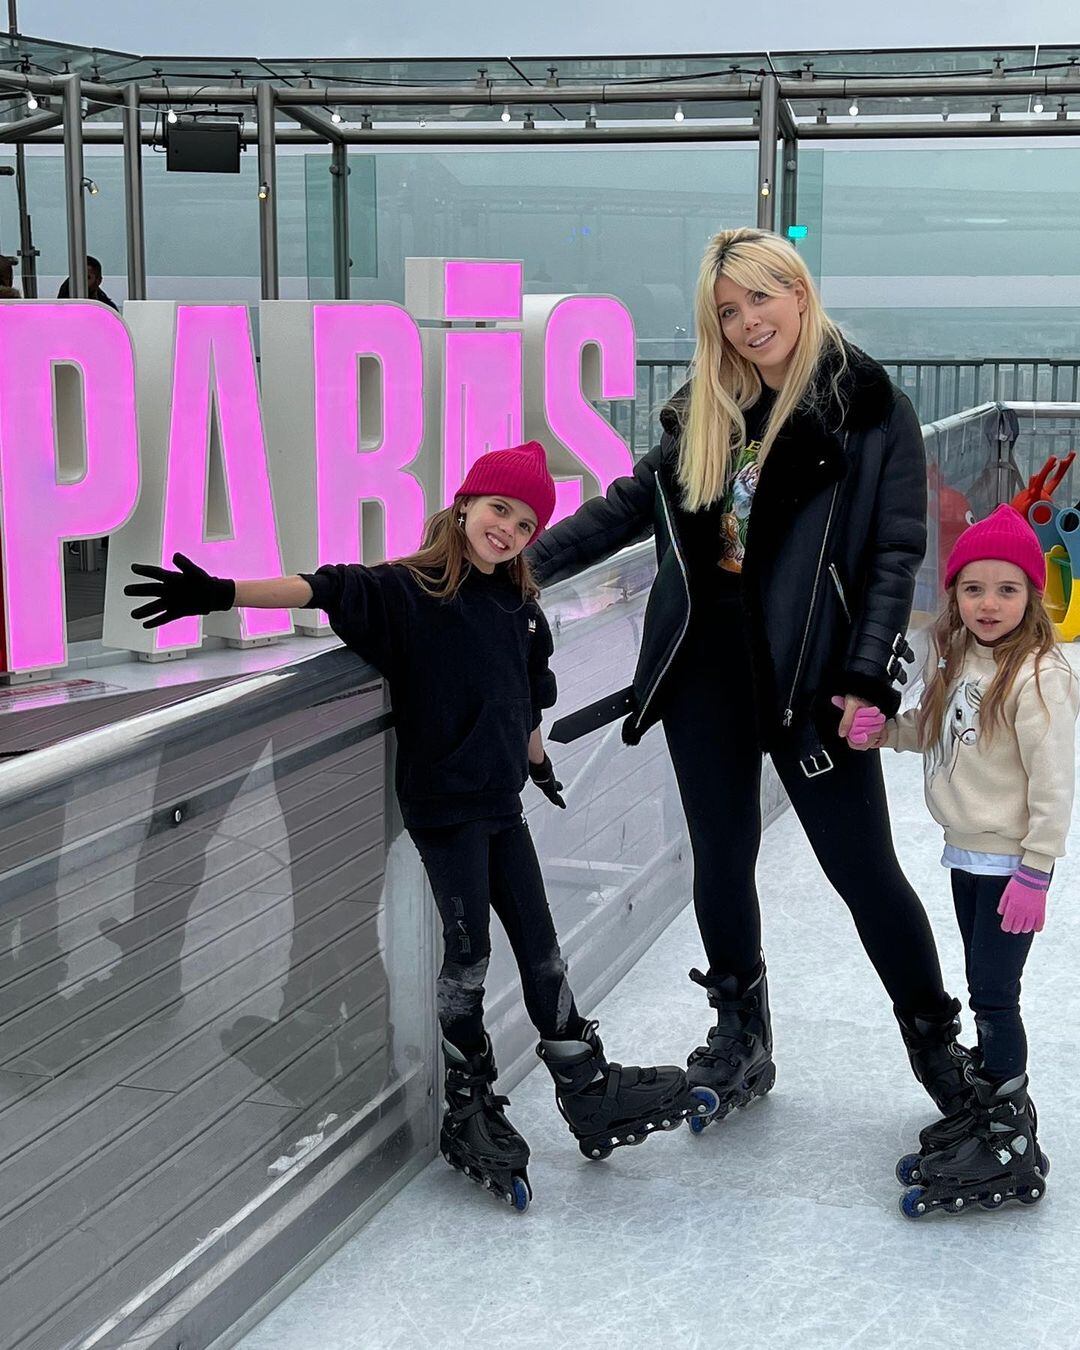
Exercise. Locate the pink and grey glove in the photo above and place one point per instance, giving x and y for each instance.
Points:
(1023, 902)
(867, 723)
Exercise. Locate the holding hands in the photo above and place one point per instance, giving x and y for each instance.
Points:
(178, 595)
(862, 724)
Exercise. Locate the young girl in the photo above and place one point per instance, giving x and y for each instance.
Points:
(457, 633)
(996, 728)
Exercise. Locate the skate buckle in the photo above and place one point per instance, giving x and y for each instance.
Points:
(813, 766)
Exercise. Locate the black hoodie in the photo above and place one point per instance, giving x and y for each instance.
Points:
(468, 678)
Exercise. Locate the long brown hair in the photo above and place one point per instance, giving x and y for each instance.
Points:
(442, 561)
(724, 385)
(1034, 635)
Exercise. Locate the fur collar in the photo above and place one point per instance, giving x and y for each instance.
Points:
(809, 453)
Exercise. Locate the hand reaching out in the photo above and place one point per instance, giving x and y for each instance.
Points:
(178, 595)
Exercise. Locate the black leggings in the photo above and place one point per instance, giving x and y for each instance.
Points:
(994, 961)
(474, 868)
(709, 724)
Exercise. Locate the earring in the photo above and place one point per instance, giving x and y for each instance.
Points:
(461, 521)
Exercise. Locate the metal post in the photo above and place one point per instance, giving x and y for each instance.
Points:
(73, 170)
(27, 252)
(766, 202)
(789, 201)
(133, 195)
(339, 170)
(268, 250)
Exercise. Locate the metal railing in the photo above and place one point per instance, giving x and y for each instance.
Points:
(938, 388)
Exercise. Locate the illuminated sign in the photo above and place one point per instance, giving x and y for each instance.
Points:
(363, 418)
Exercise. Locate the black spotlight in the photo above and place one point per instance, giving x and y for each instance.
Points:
(202, 147)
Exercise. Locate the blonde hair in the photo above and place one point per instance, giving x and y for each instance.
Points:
(1034, 635)
(442, 562)
(723, 383)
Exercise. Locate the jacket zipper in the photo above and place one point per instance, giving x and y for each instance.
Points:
(840, 590)
(686, 624)
(789, 713)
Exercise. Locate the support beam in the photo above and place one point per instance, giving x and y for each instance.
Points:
(767, 134)
(339, 187)
(25, 127)
(789, 198)
(73, 177)
(268, 234)
(317, 122)
(133, 196)
(951, 86)
(27, 252)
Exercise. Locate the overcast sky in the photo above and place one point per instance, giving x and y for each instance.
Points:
(355, 28)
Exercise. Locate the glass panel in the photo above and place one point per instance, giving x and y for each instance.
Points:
(363, 221)
(630, 222)
(213, 965)
(951, 251)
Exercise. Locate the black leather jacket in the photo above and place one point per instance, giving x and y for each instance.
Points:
(836, 534)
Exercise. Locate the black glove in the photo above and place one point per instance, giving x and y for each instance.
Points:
(178, 595)
(543, 775)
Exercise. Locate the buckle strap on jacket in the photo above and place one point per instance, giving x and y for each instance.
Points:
(897, 643)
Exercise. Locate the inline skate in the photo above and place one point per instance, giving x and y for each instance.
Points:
(998, 1160)
(736, 1062)
(609, 1105)
(476, 1136)
(937, 1059)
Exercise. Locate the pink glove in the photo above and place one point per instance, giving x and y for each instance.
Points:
(1023, 902)
(867, 722)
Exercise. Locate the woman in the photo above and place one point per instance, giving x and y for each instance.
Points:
(787, 497)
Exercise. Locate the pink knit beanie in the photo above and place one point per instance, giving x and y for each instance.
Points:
(1004, 536)
(521, 472)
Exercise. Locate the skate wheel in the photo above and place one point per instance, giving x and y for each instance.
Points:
(596, 1152)
(994, 1201)
(698, 1124)
(908, 1170)
(955, 1206)
(1031, 1196)
(913, 1203)
(708, 1103)
(1044, 1164)
(520, 1195)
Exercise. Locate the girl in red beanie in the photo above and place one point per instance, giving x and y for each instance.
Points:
(457, 632)
(996, 726)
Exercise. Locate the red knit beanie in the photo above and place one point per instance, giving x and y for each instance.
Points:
(1004, 536)
(521, 472)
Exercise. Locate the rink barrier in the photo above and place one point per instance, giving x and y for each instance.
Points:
(217, 969)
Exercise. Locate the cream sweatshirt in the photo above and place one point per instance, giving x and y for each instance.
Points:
(1011, 793)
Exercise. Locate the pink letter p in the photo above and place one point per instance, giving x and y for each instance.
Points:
(69, 457)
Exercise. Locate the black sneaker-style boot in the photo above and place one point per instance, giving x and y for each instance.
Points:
(937, 1058)
(476, 1136)
(736, 1061)
(608, 1105)
(998, 1160)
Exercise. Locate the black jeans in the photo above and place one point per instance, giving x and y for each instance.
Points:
(994, 961)
(708, 719)
(474, 868)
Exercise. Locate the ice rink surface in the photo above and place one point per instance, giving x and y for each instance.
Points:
(778, 1227)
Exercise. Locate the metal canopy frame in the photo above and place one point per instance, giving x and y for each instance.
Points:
(733, 105)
